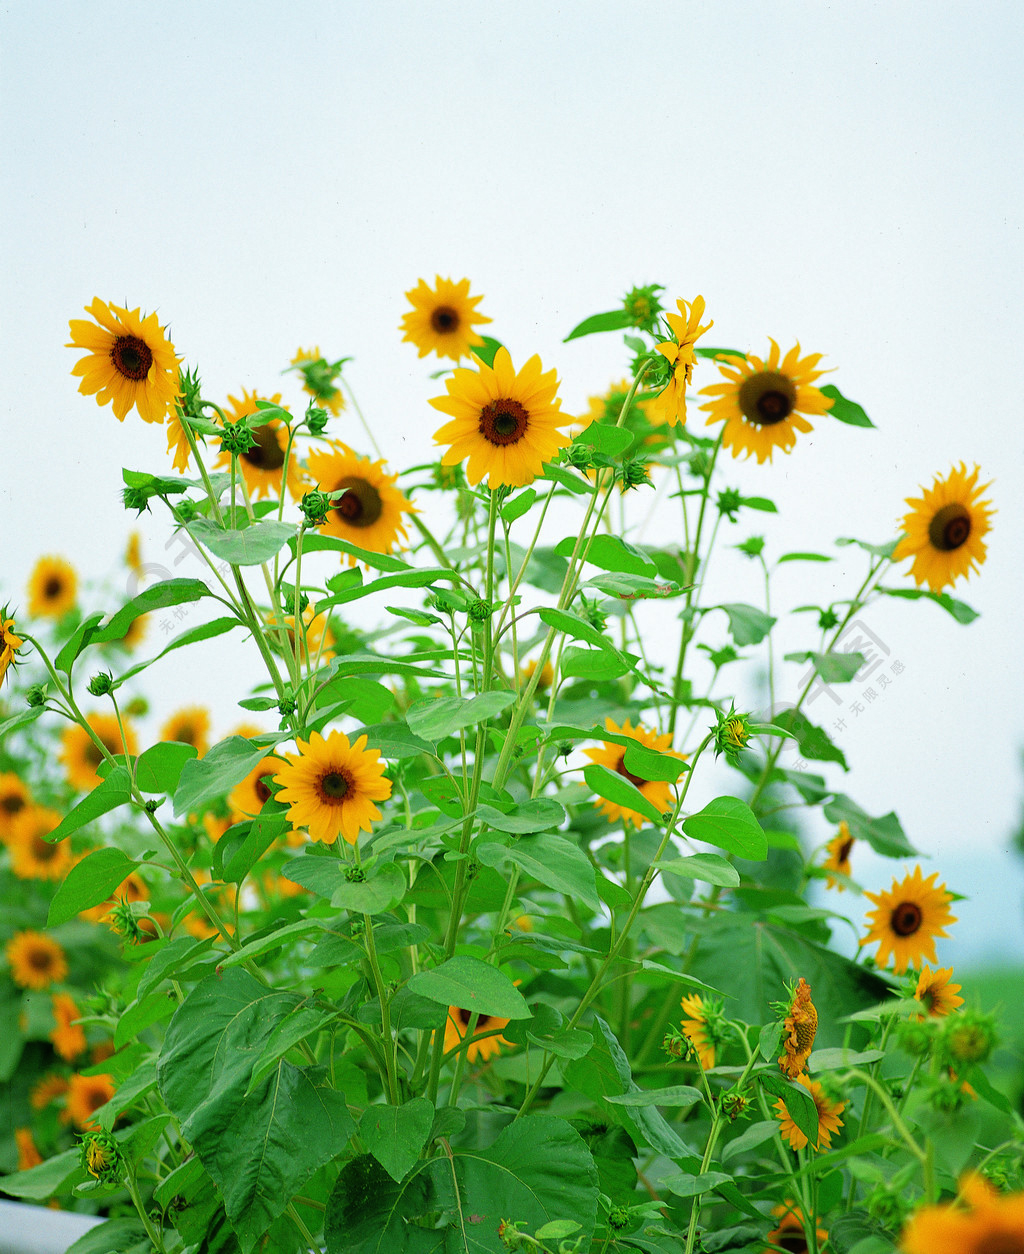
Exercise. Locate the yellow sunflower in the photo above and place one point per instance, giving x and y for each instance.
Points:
(133, 553)
(52, 588)
(36, 960)
(442, 318)
(907, 920)
(838, 850)
(369, 513)
(791, 1232)
(14, 797)
(455, 1029)
(10, 643)
(319, 379)
(936, 993)
(262, 465)
(992, 1223)
(944, 531)
(28, 1155)
(828, 1117)
(698, 1029)
(86, 1094)
(33, 857)
(670, 404)
(67, 1037)
(137, 629)
(506, 423)
(177, 442)
(612, 755)
(130, 361)
(81, 756)
(331, 786)
(764, 403)
(47, 1090)
(799, 1029)
(189, 726)
(247, 798)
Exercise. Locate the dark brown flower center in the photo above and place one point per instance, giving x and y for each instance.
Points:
(266, 453)
(767, 397)
(334, 787)
(12, 803)
(844, 850)
(42, 850)
(1001, 1243)
(444, 320)
(361, 505)
(950, 528)
(504, 421)
(906, 918)
(637, 781)
(40, 959)
(796, 1242)
(466, 1015)
(261, 790)
(131, 356)
(53, 588)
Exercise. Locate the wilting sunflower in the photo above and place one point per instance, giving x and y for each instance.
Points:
(14, 797)
(700, 1027)
(319, 379)
(613, 756)
(799, 1028)
(828, 1116)
(189, 726)
(838, 850)
(36, 960)
(504, 422)
(369, 513)
(86, 1094)
(907, 920)
(130, 361)
(33, 857)
(262, 465)
(936, 993)
(442, 318)
(247, 798)
(52, 588)
(331, 786)
(28, 1155)
(10, 643)
(764, 403)
(944, 531)
(790, 1234)
(992, 1223)
(177, 442)
(670, 404)
(47, 1090)
(67, 1036)
(455, 1029)
(81, 756)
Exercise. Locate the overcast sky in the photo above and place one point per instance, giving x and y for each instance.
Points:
(268, 176)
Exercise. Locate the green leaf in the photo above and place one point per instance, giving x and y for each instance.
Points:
(709, 868)
(403, 579)
(760, 503)
(20, 720)
(435, 719)
(747, 624)
(240, 848)
(84, 633)
(472, 985)
(876, 550)
(730, 824)
(321, 875)
(159, 768)
(595, 664)
(578, 628)
(270, 941)
(768, 1041)
(687, 1185)
(613, 320)
(128, 1234)
(88, 883)
(960, 610)
(839, 1059)
(750, 1138)
(629, 587)
(799, 1102)
(833, 668)
(383, 888)
(313, 543)
(553, 861)
(568, 479)
(516, 506)
(108, 794)
(303, 1021)
(605, 438)
(651, 764)
(813, 742)
(884, 835)
(394, 1135)
(395, 741)
(612, 553)
(56, 1176)
(674, 1095)
(542, 814)
(250, 546)
(844, 409)
(224, 766)
(617, 789)
(803, 557)
(158, 597)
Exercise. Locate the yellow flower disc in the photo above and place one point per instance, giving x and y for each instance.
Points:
(36, 960)
(936, 994)
(32, 855)
(262, 465)
(189, 726)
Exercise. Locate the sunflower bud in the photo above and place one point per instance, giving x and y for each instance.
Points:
(316, 419)
(731, 735)
(634, 473)
(479, 611)
(136, 499)
(355, 874)
(618, 1218)
(101, 1157)
(187, 510)
(700, 464)
(315, 507)
(509, 1234)
(286, 706)
(642, 306)
(916, 1036)
(447, 478)
(753, 547)
(736, 1104)
(593, 613)
(36, 695)
(102, 684)
(237, 438)
(137, 707)
(288, 601)
(580, 456)
(828, 619)
(123, 921)
(729, 502)
(189, 399)
(969, 1037)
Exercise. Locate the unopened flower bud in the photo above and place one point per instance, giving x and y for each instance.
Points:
(36, 695)
(101, 1157)
(102, 684)
(969, 1037)
(237, 438)
(315, 507)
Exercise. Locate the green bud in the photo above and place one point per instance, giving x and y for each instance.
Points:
(969, 1037)
(916, 1036)
(36, 695)
(634, 473)
(286, 706)
(729, 503)
(315, 506)
(447, 478)
(316, 419)
(642, 306)
(101, 1157)
(102, 684)
(355, 874)
(732, 733)
(237, 438)
(480, 611)
(580, 456)
(137, 707)
(618, 1218)
(827, 620)
(288, 600)
(189, 400)
(136, 499)
(593, 613)
(187, 510)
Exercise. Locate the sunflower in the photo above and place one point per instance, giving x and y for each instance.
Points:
(47, 1090)
(763, 403)
(908, 919)
(791, 1234)
(547, 675)
(28, 1155)
(130, 361)
(828, 1117)
(10, 643)
(215, 825)
(247, 798)
(262, 465)
(943, 532)
(369, 513)
(133, 553)
(33, 857)
(81, 756)
(612, 755)
(670, 404)
(455, 1029)
(331, 786)
(936, 993)
(319, 375)
(701, 1028)
(86, 1094)
(189, 726)
(993, 1223)
(131, 889)
(838, 860)
(52, 588)
(442, 318)
(36, 960)
(137, 629)
(799, 1029)
(67, 1037)
(504, 422)
(177, 442)
(14, 797)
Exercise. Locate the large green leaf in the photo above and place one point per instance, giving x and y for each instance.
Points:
(88, 883)
(613, 320)
(394, 1135)
(108, 794)
(611, 553)
(617, 789)
(884, 835)
(247, 547)
(747, 624)
(731, 825)
(435, 719)
(259, 1147)
(813, 742)
(960, 610)
(554, 861)
(160, 596)
(159, 768)
(578, 628)
(540, 814)
(56, 1176)
(472, 985)
(225, 765)
(833, 668)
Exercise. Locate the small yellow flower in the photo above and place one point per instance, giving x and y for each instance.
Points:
(945, 529)
(80, 754)
(838, 850)
(262, 465)
(36, 960)
(130, 362)
(330, 786)
(28, 1155)
(319, 379)
(370, 512)
(790, 1234)
(799, 1029)
(828, 1117)
(670, 404)
(907, 920)
(697, 1028)
(10, 643)
(936, 993)
(442, 318)
(133, 553)
(248, 797)
(52, 588)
